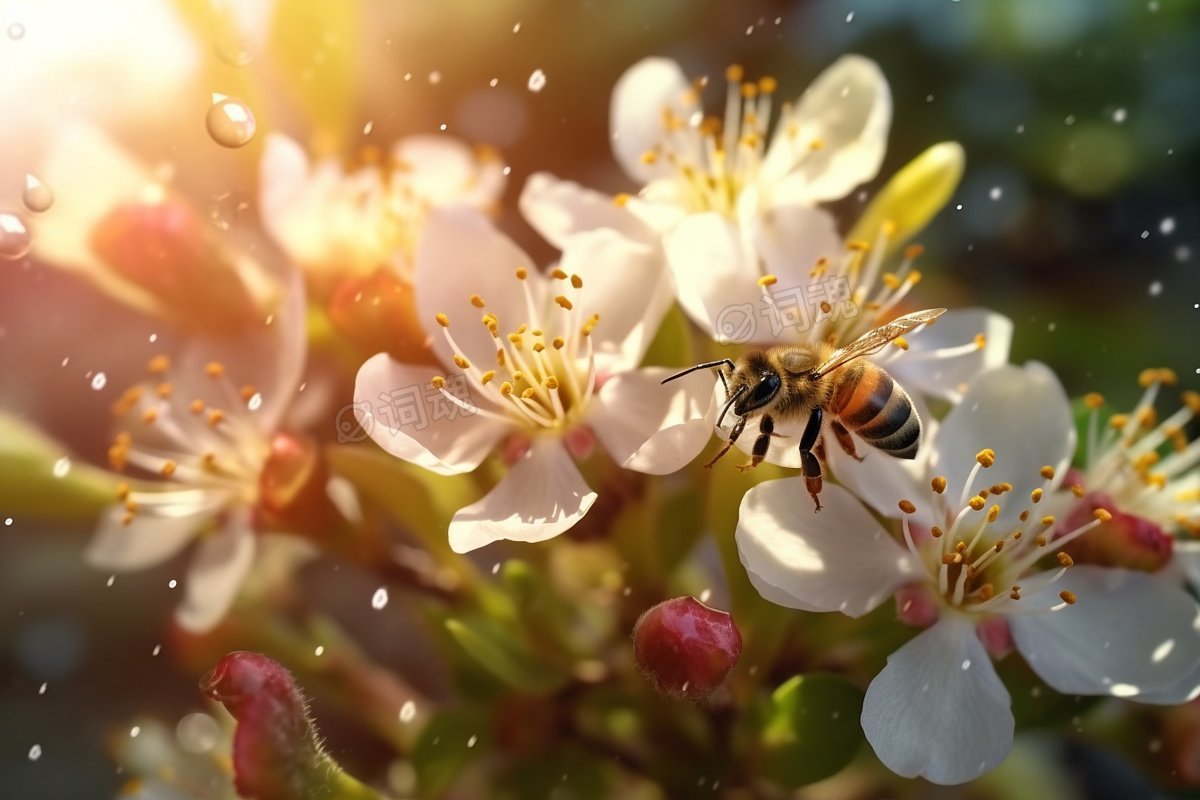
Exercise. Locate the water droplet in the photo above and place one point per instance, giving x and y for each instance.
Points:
(255, 402)
(1118, 115)
(494, 82)
(435, 78)
(517, 28)
(471, 742)
(1145, 234)
(98, 381)
(35, 752)
(1152, 6)
(15, 240)
(1070, 119)
(42, 688)
(134, 731)
(198, 733)
(153, 338)
(157, 649)
(111, 580)
(1167, 226)
(229, 121)
(496, 568)
(1020, 129)
(320, 651)
(1156, 288)
(996, 193)
(928, 98)
(537, 81)
(37, 195)
(408, 711)
(707, 593)
(16, 31)
(442, 127)
(171, 584)
(850, 17)
(966, 664)
(62, 467)
(507, 170)
(368, 127)
(8, 521)
(379, 600)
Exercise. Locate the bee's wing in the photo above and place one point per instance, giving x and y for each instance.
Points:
(873, 340)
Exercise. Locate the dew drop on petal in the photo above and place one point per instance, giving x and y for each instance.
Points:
(15, 240)
(379, 600)
(198, 733)
(98, 381)
(966, 664)
(537, 81)
(37, 196)
(408, 711)
(35, 752)
(229, 121)
(172, 583)
(16, 31)
(62, 467)
(1167, 226)
(255, 402)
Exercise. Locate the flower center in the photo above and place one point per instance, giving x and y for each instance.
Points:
(978, 567)
(1146, 466)
(545, 368)
(715, 158)
(206, 439)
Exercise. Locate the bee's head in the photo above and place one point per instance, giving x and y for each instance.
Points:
(755, 384)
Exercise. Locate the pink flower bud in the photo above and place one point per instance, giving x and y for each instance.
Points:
(684, 648)
(1124, 541)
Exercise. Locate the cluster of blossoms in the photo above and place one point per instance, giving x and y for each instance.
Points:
(1068, 558)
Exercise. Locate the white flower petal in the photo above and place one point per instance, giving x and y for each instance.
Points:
(715, 275)
(790, 240)
(216, 573)
(1127, 632)
(462, 253)
(838, 559)
(1184, 690)
(848, 110)
(558, 208)
(152, 536)
(542, 495)
(649, 427)
(1020, 412)
(395, 405)
(938, 710)
(635, 120)
(936, 364)
(881, 480)
(286, 203)
(1187, 559)
(443, 170)
(625, 283)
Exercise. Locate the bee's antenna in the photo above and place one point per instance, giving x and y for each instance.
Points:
(706, 365)
(728, 403)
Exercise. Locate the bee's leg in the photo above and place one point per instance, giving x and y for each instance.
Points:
(808, 461)
(766, 429)
(843, 438)
(738, 427)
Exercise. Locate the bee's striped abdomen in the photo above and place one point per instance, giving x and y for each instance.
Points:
(878, 409)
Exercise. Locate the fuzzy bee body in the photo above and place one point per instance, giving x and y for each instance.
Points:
(790, 382)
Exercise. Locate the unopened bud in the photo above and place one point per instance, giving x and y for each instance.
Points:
(684, 648)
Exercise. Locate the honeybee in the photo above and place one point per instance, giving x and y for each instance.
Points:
(787, 382)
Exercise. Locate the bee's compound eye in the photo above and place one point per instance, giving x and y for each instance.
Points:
(767, 386)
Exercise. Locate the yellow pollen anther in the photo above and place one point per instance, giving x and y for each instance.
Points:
(538, 347)
(442, 319)
(938, 484)
(477, 301)
(976, 503)
(768, 280)
(1192, 401)
(158, 365)
(168, 468)
(987, 592)
(1076, 490)
(551, 382)
(461, 362)
(826, 307)
(1024, 516)
(1147, 417)
(980, 341)
(1147, 377)
(1167, 376)
(1015, 594)
(209, 460)
(437, 382)
(522, 273)
(515, 339)
(122, 490)
(196, 407)
(528, 393)
(734, 73)
(126, 518)
(1047, 472)
(131, 505)
(576, 281)
(1048, 520)
(558, 273)
(935, 532)
(648, 157)
(900, 342)
(890, 280)
(914, 251)
(859, 246)
(1064, 560)
(816, 144)
(506, 388)
(164, 389)
(149, 415)
(914, 277)
(215, 369)
(998, 546)
(767, 84)
(1067, 596)
(986, 457)
(215, 417)
(564, 302)
(1157, 480)
(1102, 514)
(907, 507)
(622, 200)
(1036, 495)
(993, 513)
(952, 558)
(1118, 421)
(487, 377)
(558, 343)
(1093, 400)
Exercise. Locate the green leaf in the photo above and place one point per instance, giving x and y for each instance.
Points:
(811, 730)
(447, 744)
(566, 772)
(28, 485)
(504, 653)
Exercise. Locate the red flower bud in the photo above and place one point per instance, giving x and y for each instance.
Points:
(292, 487)
(378, 313)
(1124, 541)
(684, 648)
